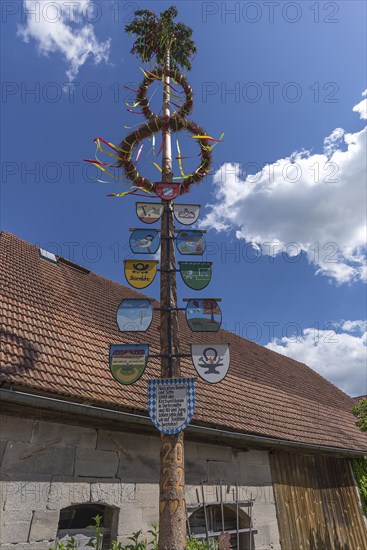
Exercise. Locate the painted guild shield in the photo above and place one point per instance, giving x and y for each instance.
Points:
(190, 242)
(140, 274)
(167, 191)
(134, 315)
(211, 361)
(171, 403)
(203, 315)
(128, 362)
(149, 212)
(145, 241)
(186, 214)
(196, 275)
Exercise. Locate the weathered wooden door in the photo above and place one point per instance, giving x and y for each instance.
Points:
(317, 503)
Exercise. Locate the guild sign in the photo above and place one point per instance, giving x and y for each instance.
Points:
(167, 191)
(203, 315)
(196, 275)
(211, 361)
(144, 241)
(128, 362)
(140, 274)
(171, 403)
(134, 315)
(186, 214)
(149, 212)
(190, 242)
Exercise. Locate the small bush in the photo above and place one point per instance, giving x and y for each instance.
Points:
(137, 543)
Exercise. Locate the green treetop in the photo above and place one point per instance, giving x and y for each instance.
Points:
(154, 35)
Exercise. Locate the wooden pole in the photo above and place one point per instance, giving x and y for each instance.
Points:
(172, 506)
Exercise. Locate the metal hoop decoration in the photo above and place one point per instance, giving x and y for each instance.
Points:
(157, 74)
(155, 125)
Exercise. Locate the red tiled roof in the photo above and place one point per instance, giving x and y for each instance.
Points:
(57, 323)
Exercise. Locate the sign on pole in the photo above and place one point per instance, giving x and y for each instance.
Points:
(203, 315)
(149, 212)
(140, 274)
(167, 191)
(196, 275)
(171, 403)
(211, 361)
(128, 362)
(189, 241)
(144, 241)
(134, 315)
(187, 214)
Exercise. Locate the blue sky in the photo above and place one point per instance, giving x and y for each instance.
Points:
(281, 80)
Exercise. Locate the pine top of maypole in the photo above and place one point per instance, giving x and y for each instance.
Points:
(153, 33)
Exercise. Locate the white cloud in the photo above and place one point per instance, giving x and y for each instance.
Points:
(354, 326)
(64, 27)
(315, 200)
(338, 356)
(332, 143)
(361, 108)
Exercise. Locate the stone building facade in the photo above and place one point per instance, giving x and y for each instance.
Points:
(49, 466)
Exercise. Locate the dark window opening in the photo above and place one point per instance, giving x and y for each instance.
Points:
(75, 521)
(208, 523)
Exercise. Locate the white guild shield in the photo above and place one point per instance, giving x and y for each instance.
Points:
(171, 403)
(211, 361)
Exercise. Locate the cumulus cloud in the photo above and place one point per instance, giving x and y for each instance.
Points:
(339, 355)
(333, 142)
(315, 201)
(64, 27)
(361, 108)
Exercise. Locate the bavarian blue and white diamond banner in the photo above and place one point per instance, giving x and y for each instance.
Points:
(171, 403)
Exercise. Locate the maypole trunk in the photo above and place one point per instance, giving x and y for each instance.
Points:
(172, 507)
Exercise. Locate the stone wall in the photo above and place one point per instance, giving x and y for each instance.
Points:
(47, 466)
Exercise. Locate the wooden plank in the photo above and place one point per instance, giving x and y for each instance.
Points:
(316, 502)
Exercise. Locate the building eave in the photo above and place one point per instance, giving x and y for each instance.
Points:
(23, 398)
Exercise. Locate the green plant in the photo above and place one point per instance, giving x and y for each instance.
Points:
(360, 412)
(96, 541)
(70, 544)
(195, 544)
(137, 543)
(142, 544)
(360, 473)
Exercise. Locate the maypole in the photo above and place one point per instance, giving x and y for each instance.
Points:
(171, 398)
(172, 508)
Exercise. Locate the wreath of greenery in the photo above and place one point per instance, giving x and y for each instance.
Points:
(155, 125)
(142, 101)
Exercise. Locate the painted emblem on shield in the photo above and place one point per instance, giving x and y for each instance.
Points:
(149, 212)
(128, 362)
(171, 403)
(196, 275)
(211, 361)
(134, 315)
(140, 274)
(186, 214)
(190, 242)
(144, 241)
(203, 315)
(167, 191)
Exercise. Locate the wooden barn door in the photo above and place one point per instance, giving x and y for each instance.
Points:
(317, 503)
